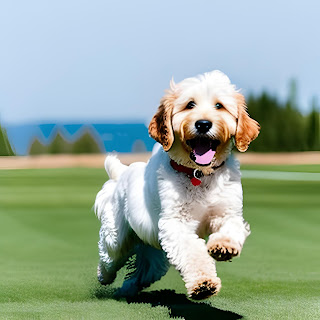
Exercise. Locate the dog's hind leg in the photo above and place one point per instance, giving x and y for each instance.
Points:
(115, 247)
(112, 261)
(117, 239)
(107, 270)
(109, 263)
(150, 265)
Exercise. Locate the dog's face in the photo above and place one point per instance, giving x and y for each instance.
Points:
(199, 120)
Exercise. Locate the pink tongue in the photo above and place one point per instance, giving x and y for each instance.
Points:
(203, 155)
(204, 158)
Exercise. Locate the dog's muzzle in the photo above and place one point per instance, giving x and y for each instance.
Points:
(203, 150)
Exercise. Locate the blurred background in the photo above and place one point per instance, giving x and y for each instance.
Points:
(86, 77)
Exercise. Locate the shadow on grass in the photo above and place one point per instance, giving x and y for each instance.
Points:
(178, 304)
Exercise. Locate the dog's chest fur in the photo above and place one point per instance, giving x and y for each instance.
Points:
(197, 202)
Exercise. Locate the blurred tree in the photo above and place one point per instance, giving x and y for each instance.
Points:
(293, 94)
(59, 145)
(265, 109)
(86, 144)
(37, 148)
(284, 128)
(313, 133)
(5, 147)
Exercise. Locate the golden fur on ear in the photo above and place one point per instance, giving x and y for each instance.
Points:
(247, 128)
(160, 127)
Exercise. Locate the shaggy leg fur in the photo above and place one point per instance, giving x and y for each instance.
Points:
(111, 261)
(150, 265)
(188, 253)
(116, 242)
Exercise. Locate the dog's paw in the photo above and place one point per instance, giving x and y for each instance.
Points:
(104, 277)
(205, 289)
(223, 249)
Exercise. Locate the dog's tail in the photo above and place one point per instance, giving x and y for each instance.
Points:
(114, 167)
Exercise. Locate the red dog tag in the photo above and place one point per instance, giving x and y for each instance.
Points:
(195, 181)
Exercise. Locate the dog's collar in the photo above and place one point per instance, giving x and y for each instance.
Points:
(195, 175)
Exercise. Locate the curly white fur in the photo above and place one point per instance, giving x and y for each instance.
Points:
(154, 211)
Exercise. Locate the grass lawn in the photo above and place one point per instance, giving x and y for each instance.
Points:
(48, 251)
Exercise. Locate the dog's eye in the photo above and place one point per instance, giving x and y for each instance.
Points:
(219, 105)
(190, 105)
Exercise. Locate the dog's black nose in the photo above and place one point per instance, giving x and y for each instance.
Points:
(203, 126)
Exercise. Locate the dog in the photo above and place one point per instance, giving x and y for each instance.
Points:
(183, 207)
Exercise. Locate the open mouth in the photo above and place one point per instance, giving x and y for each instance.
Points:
(203, 150)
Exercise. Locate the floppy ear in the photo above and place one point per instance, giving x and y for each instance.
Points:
(160, 127)
(247, 128)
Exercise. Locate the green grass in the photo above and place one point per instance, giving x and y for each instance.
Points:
(313, 168)
(48, 250)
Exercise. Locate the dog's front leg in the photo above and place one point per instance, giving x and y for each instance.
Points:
(227, 242)
(188, 253)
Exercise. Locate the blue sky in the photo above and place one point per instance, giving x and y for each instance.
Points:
(112, 60)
